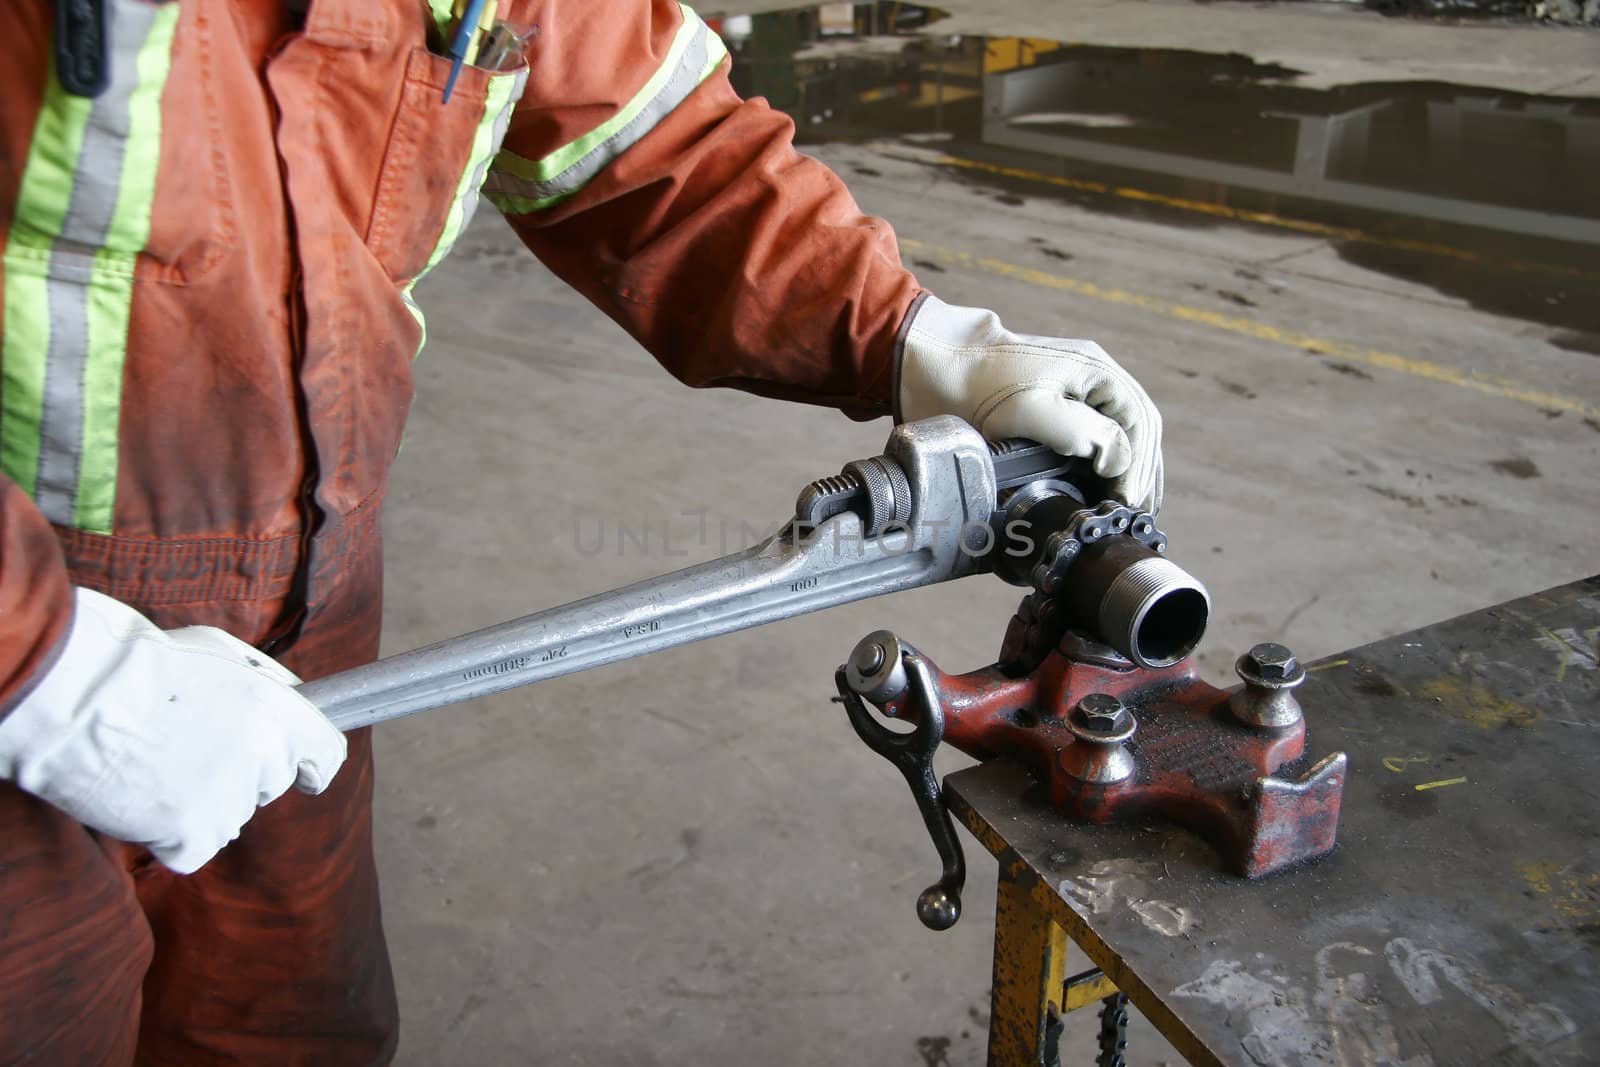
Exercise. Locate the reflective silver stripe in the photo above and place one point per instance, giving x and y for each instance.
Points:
(96, 185)
(691, 70)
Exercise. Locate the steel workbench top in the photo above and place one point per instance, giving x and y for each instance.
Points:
(1458, 921)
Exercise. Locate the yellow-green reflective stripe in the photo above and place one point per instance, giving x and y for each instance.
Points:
(503, 93)
(444, 16)
(111, 291)
(568, 154)
(82, 216)
(519, 185)
(22, 386)
(40, 212)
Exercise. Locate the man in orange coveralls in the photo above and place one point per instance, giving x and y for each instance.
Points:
(214, 214)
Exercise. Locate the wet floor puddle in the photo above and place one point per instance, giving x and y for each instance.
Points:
(1487, 195)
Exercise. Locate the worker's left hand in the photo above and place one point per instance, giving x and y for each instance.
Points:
(165, 738)
(1064, 393)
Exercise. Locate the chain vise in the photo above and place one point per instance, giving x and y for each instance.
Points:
(1096, 692)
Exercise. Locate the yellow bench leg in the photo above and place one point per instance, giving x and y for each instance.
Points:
(1030, 958)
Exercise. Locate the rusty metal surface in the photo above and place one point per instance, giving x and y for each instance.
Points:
(1254, 792)
(1458, 920)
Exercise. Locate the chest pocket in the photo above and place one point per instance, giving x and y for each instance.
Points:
(85, 211)
(435, 162)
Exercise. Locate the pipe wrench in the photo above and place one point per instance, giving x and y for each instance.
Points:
(939, 503)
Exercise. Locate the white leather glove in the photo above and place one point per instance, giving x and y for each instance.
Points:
(169, 739)
(1064, 393)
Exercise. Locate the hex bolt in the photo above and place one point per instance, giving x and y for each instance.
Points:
(1102, 713)
(1271, 661)
(1100, 723)
(1270, 674)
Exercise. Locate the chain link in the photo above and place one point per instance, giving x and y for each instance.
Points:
(1113, 1030)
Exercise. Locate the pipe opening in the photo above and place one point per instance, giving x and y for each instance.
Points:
(1146, 607)
(1171, 628)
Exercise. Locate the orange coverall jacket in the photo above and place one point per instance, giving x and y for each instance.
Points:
(206, 338)
(239, 219)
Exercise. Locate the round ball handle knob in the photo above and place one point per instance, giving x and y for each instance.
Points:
(938, 907)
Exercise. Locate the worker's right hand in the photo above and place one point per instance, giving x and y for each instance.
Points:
(1059, 391)
(168, 739)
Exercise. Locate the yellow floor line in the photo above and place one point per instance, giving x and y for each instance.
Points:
(1263, 218)
(1427, 370)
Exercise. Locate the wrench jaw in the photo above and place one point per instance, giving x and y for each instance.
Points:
(947, 468)
(952, 476)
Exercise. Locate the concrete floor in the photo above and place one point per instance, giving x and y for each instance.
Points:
(689, 858)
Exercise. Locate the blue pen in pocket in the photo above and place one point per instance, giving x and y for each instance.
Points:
(461, 43)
